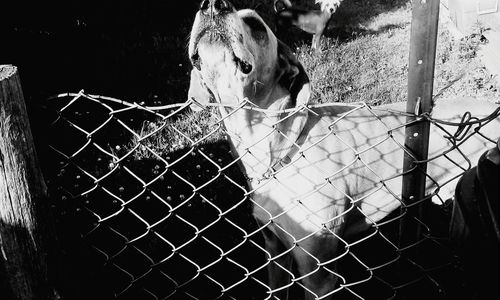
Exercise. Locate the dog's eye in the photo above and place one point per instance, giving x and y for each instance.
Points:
(195, 60)
(245, 67)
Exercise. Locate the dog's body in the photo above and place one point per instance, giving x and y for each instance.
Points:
(311, 21)
(311, 171)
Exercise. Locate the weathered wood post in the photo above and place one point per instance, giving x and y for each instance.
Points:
(23, 198)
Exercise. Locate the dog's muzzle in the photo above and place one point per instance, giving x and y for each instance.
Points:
(213, 8)
(214, 16)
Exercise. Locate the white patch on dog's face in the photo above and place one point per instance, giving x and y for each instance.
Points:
(235, 54)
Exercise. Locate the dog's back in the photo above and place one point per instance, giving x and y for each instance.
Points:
(357, 157)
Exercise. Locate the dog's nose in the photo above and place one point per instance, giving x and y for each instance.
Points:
(215, 7)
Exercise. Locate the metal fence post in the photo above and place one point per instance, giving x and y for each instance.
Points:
(424, 26)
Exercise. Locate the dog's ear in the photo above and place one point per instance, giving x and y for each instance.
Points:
(294, 78)
(198, 91)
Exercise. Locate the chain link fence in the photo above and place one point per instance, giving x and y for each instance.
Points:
(160, 198)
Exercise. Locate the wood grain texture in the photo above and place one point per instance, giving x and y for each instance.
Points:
(23, 197)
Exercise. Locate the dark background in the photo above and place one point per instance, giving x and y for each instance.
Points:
(114, 48)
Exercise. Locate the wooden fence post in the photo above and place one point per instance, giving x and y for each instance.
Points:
(23, 198)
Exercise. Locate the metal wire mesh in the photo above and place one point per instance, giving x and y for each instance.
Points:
(160, 197)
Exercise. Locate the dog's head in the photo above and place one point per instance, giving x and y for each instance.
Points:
(236, 56)
(329, 6)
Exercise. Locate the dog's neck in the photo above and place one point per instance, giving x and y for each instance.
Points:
(252, 133)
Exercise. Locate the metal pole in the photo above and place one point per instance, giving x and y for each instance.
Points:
(424, 26)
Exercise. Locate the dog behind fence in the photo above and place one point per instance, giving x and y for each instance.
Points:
(176, 223)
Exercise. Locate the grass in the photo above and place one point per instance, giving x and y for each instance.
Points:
(171, 136)
(364, 58)
(373, 65)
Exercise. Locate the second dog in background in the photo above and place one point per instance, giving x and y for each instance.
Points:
(310, 21)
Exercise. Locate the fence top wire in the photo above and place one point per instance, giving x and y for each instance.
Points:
(147, 207)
